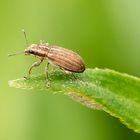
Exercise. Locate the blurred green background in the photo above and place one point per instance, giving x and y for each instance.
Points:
(105, 33)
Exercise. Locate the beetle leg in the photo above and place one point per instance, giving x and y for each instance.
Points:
(46, 70)
(35, 64)
(68, 73)
(42, 42)
(65, 71)
(74, 76)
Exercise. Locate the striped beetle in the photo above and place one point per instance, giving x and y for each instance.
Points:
(65, 59)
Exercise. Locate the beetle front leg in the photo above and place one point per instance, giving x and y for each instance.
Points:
(35, 64)
(46, 70)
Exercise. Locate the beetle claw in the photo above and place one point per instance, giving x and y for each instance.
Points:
(26, 77)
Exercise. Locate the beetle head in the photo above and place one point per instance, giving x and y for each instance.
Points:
(30, 50)
(40, 50)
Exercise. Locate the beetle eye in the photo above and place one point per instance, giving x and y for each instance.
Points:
(31, 52)
(28, 52)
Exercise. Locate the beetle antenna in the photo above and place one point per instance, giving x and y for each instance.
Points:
(25, 36)
(15, 54)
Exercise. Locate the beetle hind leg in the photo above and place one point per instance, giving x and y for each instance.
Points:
(68, 73)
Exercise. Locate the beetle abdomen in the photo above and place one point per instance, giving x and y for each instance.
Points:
(66, 59)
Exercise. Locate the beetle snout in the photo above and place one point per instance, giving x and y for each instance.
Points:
(26, 52)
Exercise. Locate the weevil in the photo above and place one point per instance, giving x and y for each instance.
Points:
(65, 59)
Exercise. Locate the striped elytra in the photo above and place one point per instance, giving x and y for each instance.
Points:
(64, 58)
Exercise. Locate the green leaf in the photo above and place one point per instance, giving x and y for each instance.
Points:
(116, 93)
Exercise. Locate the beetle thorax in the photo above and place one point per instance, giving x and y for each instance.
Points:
(37, 50)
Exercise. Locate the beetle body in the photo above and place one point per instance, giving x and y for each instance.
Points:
(61, 57)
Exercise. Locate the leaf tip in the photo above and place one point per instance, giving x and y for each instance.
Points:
(11, 83)
(18, 83)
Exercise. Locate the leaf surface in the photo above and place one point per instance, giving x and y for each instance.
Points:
(115, 93)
